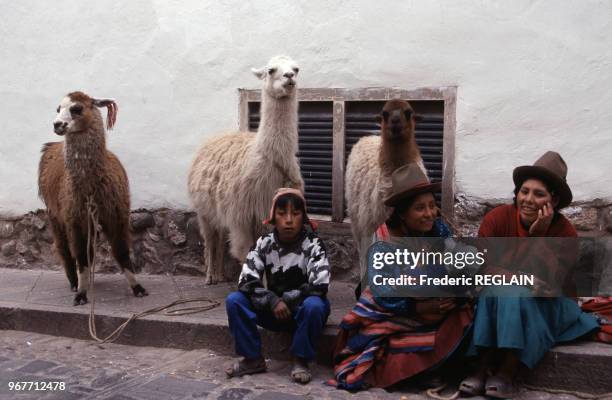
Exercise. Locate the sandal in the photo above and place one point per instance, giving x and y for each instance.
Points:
(300, 373)
(473, 385)
(500, 388)
(244, 367)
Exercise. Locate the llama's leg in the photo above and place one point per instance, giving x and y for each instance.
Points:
(364, 243)
(209, 234)
(119, 240)
(78, 246)
(241, 241)
(219, 257)
(63, 250)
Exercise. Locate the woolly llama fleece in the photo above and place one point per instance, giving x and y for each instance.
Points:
(234, 176)
(75, 171)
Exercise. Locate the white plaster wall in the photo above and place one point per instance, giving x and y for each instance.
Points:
(531, 76)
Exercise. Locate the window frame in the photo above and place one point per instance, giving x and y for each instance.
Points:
(339, 97)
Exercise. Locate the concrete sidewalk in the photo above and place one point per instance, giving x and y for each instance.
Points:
(41, 301)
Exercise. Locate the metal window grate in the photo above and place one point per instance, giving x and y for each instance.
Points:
(315, 131)
(360, 121)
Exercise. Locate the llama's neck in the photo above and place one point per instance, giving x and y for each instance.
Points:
(84, 160)
(277, 133)
(396, 153)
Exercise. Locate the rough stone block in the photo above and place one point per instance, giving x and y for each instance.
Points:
(36, 366)
(166, 386)
(607, 219)
(174, 234)
(234, 394)
(278, 396)
(38, 222)
(9, 248)
(584, 218)
(141, 220)
(7, 229)
(63, 371)
(116, 396)
(107, 380)
(65, 396)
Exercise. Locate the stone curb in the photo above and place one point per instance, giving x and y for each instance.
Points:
(154, 330)
(584, 367)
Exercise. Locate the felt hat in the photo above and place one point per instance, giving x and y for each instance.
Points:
(408, 181)
(550, 168)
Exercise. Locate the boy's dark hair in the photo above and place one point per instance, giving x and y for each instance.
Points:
(289, 198)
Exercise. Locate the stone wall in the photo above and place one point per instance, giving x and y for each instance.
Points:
(163, 242)
(168, 241)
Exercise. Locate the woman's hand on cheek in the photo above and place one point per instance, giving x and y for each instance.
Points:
(541, 225)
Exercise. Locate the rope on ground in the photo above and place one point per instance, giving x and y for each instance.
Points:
(581, 395)
(435, 393)
(93, 230)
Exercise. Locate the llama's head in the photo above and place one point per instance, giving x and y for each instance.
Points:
(398, 120)
(279, 76)
(78, 112)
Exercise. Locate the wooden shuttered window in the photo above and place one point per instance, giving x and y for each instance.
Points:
(331, 121)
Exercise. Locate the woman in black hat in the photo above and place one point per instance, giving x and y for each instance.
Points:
(517, 328)
(384, 340)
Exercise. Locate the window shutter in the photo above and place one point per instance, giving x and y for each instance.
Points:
(315, 135)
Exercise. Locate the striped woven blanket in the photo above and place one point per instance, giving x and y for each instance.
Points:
(377, 348)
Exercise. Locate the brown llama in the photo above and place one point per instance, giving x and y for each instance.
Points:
(370, 165)
(76, 170)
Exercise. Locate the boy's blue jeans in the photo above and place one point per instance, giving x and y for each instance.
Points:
(307, 324)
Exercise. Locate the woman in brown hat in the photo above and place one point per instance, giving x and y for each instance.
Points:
(519, 329)
(385, 340)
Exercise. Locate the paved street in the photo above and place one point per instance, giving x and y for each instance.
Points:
(112, 371)
(39, 301)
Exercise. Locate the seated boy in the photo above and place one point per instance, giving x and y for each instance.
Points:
(297, 273)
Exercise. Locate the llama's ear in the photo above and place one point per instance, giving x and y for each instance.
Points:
(102, 102)
(260, 73)
(111, 110)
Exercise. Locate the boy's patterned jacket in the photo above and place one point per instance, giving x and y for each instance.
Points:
(293, 271)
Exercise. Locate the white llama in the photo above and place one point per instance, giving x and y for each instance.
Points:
(234, 176)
